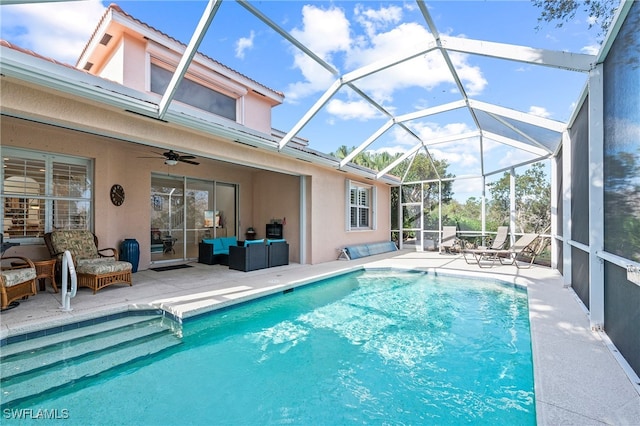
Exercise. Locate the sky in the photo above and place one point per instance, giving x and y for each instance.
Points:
(349, 35)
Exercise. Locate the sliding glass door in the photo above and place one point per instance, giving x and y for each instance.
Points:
(186, 210)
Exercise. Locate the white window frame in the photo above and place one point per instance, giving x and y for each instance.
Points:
(370, 207)
(46, 194)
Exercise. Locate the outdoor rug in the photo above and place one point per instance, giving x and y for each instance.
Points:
(170, 268)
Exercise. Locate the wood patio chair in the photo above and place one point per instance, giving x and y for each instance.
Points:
(17, 280)
(96, 268)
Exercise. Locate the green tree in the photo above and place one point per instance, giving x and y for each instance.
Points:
(600, 11)
(533, 201)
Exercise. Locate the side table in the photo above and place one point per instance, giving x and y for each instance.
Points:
(46, 269)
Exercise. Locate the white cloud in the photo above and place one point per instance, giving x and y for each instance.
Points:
(328, 34)
(59, 30)
(359, 110)
(324, 32)
(243, 44)
(591, 49)
(462, 153)
(539, 111)
(373, 20)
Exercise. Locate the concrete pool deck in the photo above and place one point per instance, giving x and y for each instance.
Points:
(577, 377)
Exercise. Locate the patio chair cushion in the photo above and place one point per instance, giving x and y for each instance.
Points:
(228, 242)
(218, 248)
(81, 244)
(249, 242)
(17, 276)
(102, 266)
(281, 240)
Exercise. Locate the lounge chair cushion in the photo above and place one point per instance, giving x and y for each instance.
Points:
(18, 276)
(104, 266)
(80, 244)
(228, 242)
(249, 242)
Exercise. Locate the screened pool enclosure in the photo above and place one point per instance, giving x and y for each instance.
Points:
(448, 114)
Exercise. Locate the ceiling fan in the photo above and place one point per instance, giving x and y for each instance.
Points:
(171, 158)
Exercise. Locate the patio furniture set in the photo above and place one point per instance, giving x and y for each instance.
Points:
(95, 268)
(249, 255)
(526, 247)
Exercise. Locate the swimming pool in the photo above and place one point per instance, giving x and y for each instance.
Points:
(381, 346)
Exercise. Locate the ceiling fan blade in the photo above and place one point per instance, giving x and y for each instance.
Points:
(195, 163)
(187, 157)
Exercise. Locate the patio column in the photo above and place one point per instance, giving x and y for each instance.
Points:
(512, 205)
(303, 220)
(566, 208)
(554, 212)
(483, 205)
(596, 198)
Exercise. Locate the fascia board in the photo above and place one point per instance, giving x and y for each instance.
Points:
(556, 126)
(95, 39)
(69, 80)
(551, 58)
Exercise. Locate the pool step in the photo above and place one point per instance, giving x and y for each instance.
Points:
(66, 360)
(41, 342)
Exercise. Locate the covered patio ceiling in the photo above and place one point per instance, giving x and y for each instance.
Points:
(446, 119)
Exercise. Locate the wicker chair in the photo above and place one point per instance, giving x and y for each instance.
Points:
(96, 268)
(16, 282)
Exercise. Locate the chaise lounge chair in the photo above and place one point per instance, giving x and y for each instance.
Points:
(499, 243)
(450, 243)
(525, 245)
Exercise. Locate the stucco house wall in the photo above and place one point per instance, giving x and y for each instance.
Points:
(269, 182)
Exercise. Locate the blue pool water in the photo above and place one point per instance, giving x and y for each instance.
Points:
(371, 347)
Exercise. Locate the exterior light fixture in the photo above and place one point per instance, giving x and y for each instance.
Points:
(170, 162)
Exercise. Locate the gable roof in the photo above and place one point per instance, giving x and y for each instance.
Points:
(115, 19)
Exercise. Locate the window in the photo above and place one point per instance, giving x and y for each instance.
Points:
(194, 94)
(42, 192)
(360, 202)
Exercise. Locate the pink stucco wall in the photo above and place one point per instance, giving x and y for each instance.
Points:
(264, 194)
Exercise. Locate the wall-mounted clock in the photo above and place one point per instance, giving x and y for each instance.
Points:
(117, 195)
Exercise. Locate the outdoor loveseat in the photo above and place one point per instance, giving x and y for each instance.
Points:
(95, 268)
